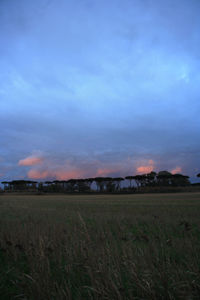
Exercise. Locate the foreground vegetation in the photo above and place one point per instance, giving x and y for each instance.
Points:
(100, 246)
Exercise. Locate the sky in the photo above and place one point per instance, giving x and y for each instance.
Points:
(99, 88)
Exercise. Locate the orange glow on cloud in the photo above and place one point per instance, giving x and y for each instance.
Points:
(105, 171)
(30, 161)
(146, 168)
(36, 174)
(63, 175)
(176, 170)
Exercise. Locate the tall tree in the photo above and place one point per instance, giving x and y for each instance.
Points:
(164, 178)
(71, 185)
(5, 185)
(140, 180)
(89, 182)
(118, 181)
(130, 178)
(180, 180)
(137, 180)
(110, 185)
(151, 179)
(82, 185)
(100, 183)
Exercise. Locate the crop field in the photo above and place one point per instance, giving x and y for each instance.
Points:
(100, 246)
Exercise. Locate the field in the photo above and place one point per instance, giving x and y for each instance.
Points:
(100, 246)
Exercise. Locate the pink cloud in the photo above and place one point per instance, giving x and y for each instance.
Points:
(36, 174)
(64, 175)
(145, 169)
(105, 171)
(30, 161)
(176, 170)
(149, 167)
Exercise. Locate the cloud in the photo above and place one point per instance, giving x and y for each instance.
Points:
(176, 170)
(58, 174)
(36, 174)
(63, 175)
(106, 171)
(143, 69)
(30, 161)
(146, 168)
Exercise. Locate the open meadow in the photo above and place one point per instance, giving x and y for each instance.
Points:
(100, 246)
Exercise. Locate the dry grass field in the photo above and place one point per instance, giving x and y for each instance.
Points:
(100, 246)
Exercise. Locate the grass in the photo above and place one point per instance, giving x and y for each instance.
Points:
(100, 246)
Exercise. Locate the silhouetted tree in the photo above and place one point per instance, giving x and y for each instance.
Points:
(5, 185)
(110, 185)
(57, 186)
(102, 182)
(137, 180)
(130, 178)
(82, 185)
(180, 180)
(105, 182)
(89, 182)
(40, 186)
(164, 178)
(71, 185)
(118, 181)
(151, 179)
(19, 185)
(64, 184)
(48, 187)
(99, 183)
(140, 180)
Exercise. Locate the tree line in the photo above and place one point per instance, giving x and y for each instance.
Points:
(102, 184)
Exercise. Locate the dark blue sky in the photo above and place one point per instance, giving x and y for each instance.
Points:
(99, 88)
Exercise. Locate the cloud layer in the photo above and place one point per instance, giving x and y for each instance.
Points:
(30, 161)
(106, 85)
